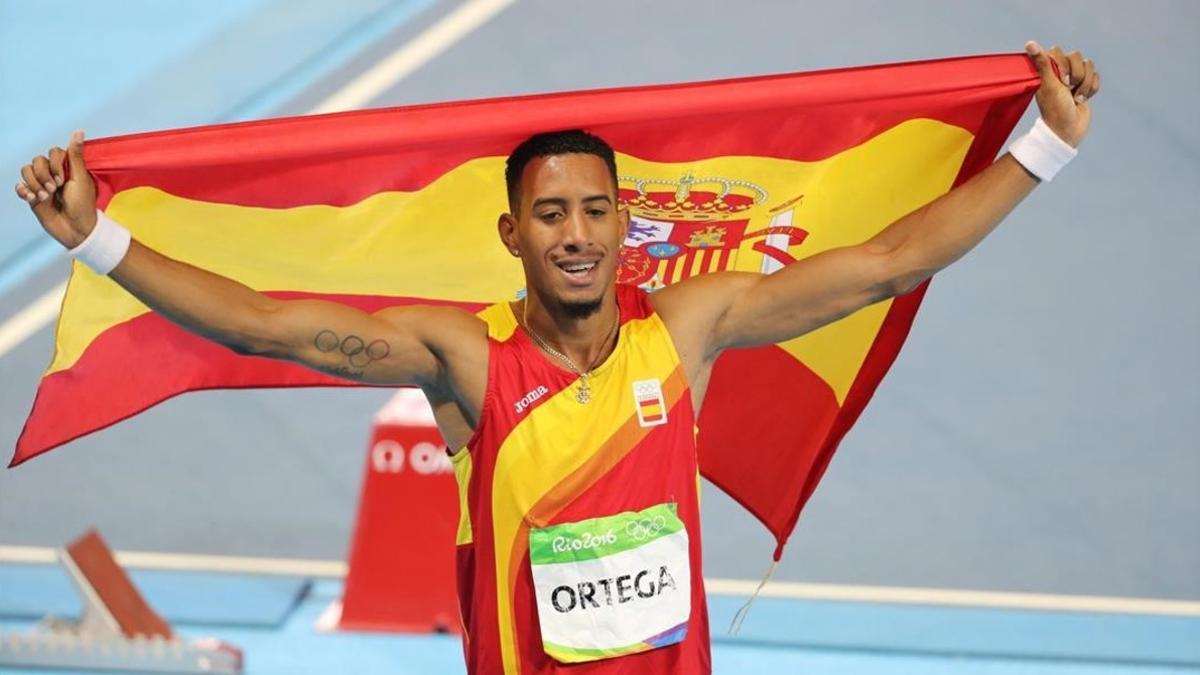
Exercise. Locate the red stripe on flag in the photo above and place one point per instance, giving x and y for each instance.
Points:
(688, 260)
(801, 116)
(668, 274)
(767, 396)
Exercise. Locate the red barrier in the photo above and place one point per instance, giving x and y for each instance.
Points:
(401, 575)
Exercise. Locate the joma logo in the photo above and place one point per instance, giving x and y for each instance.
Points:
(528, 399)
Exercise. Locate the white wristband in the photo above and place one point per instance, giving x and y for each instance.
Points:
(1041, 151)
(105, 247)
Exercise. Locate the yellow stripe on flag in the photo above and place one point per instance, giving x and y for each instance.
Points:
(651, 410)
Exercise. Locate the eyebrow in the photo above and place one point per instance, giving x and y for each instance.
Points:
(557, 201)
(561, 202)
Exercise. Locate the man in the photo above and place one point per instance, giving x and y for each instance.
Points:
(582, 516)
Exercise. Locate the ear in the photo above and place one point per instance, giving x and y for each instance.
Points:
(506, 226)
(623, 214)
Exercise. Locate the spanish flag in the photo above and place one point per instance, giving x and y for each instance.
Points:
(398, 205)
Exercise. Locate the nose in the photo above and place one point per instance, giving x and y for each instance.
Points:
(576, 233)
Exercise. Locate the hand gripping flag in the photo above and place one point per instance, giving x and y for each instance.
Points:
(393, 206)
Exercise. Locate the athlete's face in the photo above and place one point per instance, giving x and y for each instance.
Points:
(567, 230)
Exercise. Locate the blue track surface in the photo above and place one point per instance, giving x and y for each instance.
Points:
(34, 591)
(272, 619)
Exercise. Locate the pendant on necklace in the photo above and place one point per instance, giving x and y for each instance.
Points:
(584, 394)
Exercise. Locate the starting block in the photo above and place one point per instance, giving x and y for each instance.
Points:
(117, 629)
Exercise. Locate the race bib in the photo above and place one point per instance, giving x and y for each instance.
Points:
(612, 586)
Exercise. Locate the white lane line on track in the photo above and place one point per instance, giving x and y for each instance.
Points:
(429, 44)
(426, 46)
(189, 562)
(905, 595)
(742, 587)
(30, 320)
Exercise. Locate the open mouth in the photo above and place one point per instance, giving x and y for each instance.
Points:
(578, 272)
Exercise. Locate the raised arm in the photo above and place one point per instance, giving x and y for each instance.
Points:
(397, 346)
(743, 309)
(408, 345)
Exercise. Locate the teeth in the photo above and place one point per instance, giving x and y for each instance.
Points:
(579, 268)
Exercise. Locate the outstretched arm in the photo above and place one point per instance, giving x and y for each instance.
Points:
(394, 346)
(743, 309)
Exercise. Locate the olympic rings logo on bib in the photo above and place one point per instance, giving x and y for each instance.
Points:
(645, 527)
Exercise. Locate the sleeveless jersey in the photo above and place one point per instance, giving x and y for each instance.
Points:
(540, 458)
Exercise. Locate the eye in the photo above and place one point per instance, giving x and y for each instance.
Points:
(597, 213)
(550, 216)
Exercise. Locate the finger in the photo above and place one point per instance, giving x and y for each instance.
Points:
(57, 156)
(1060, 64)
(24, 193)
(1042, 61)
(41, 203)
(1093, 84)
(75, 156)
(41, 171)
(1076, 69)
(1085, 85)
(32, 184)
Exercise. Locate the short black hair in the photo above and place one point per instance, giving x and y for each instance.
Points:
(554, 143)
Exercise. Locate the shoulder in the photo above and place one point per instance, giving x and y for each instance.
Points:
(500, 320)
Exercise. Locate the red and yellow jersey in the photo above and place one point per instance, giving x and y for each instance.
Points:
(541, 461)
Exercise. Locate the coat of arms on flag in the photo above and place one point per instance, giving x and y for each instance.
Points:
(696, 225)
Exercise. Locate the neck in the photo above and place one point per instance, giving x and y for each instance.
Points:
(586, 341)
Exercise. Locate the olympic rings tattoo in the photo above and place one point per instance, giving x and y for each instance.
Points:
(360, 354)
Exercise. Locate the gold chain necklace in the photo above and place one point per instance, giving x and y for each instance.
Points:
(584, 394)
